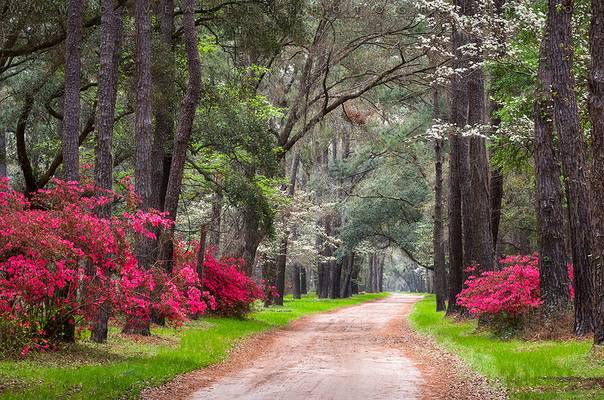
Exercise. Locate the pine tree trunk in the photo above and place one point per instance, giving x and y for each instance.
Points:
(142, 124)
(482, 251)
(201, 253)
(553, 278)
(296, 291)
(380, 276)
(183, 130)
(142, 128)
(303, 281)
(459, 117)
(354, 279)
(111, 32)
(572, 153)
(282, 258)
(215, 223)
(2, 153)
(596, 109)
(251, 240)
(71, 98)
(164, 80)
(496, 202)
(440, 272)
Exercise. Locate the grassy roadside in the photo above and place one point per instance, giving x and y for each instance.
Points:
(123, 367)
(529, 369)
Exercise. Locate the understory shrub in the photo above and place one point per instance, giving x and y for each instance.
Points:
(232, 291)
(60, 263)
(507, 293)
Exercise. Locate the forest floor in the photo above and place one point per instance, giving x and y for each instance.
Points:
(125, 365)
(528, 369)
(363, 352)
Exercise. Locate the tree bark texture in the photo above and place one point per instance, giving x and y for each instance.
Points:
(142, 128)
(111, 30)
(24, 161)
(553, 278)
(2, 153)
(572, 153)
(164, 103)
(142, 124)
(459, 117)
(201, 252)
(183, 130)
(303, 281)
(71, 97)
(496, 203)
(296, 291)
(215, 223)
(282, 258)
(596, 109)
(440, 271)
(481, 240)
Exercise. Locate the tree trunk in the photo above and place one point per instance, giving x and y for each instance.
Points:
(303, 281)
(482, 235)
(280, 275)
(496, 201)
(252, 236)
(380, 275)
(296, 282)
(440, 272)
(111, 30)
(24, 161)
(335, 271)
(2, 153)
(596, 109)
(553, 278)
(164, 106)
(201, 252)
(347, 283)
(354, 279)
(142, 128)
(142, 124)
(183, 130)
(282, 258)
(572, 152)
(215, 223)
(71, 98)
(459, 110)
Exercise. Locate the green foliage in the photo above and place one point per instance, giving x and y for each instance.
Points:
(387, 205)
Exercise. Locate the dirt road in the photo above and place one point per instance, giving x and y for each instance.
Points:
(363, 352)
(340, 355)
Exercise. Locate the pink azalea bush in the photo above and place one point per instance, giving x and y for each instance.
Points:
(511, 291)
(60, 263)
(232, 291)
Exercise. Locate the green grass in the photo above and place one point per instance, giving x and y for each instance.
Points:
(528, 369)
(123, 367)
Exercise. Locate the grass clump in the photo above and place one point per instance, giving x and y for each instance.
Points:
(126, 365)
(548, 369)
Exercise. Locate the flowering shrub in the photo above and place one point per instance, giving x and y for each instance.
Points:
(60, 262)
(229, 291)
(512, 291)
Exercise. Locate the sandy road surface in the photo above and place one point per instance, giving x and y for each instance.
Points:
(340, 355)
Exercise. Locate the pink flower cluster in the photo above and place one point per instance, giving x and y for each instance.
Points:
(60, 262)
(513, 290)
(230, 291)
